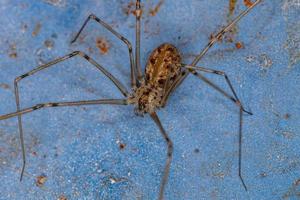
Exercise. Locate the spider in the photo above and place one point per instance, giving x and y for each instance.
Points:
(150, 91)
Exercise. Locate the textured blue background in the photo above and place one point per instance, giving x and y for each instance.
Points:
(78, 148)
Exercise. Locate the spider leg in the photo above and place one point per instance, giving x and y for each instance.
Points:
(138, 14)
(221, 33)
(47, 65)
(217, 37)
(118, 35)
(63, 104)
(57, 104)
(233, 98)
(169, 154)
(169, 89)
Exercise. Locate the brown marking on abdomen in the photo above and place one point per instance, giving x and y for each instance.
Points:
(163, 64)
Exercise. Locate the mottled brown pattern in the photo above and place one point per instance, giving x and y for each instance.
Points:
(163, 64)
(163, 67)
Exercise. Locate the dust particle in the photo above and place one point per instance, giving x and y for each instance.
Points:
(265, 61)
(49, 44)
(24, 28)
(287, 116)
(122, 146)
(13, 51)
(263, 174)
(102, 45)
(40, 180)
(4, 86)
(13, 55)
(37, 29)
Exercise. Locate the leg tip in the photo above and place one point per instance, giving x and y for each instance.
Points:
(72, 41)
(248, 112)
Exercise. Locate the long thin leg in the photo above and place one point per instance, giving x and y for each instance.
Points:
(217, 37)
(45, 66)
(240, 147)
(116, 82)
(235, 99)
(172, 87)
(118, 35)
(57, 104)
(138, 14)
(220, 34)
(169, 155)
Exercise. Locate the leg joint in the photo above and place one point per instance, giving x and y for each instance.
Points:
(92, 16)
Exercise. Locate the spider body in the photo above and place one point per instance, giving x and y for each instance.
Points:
(162, 69)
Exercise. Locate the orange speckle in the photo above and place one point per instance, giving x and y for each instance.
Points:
(239, 45)
(102, 45)
(40, 180)
(231, 6)
(155, 10)
(129, 8)
(248, 3)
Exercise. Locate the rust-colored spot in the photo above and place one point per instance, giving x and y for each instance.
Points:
(232, 4)
(37, 29)
(122, 146)
(248, 3)
(34, 153)
(239, 45)
(103, 45)
(154, 11)
(129, 8)
(40, 180)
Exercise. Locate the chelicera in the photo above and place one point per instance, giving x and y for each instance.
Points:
(164, 72)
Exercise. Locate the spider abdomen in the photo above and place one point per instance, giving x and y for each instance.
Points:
(163, 66)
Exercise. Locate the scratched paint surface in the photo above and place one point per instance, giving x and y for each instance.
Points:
(106, 152)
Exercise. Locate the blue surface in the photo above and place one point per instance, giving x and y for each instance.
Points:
(77, 149)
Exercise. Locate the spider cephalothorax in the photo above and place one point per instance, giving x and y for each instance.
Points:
(146, 99)
(162, 69)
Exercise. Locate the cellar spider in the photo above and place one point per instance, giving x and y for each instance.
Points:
(164, 72)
